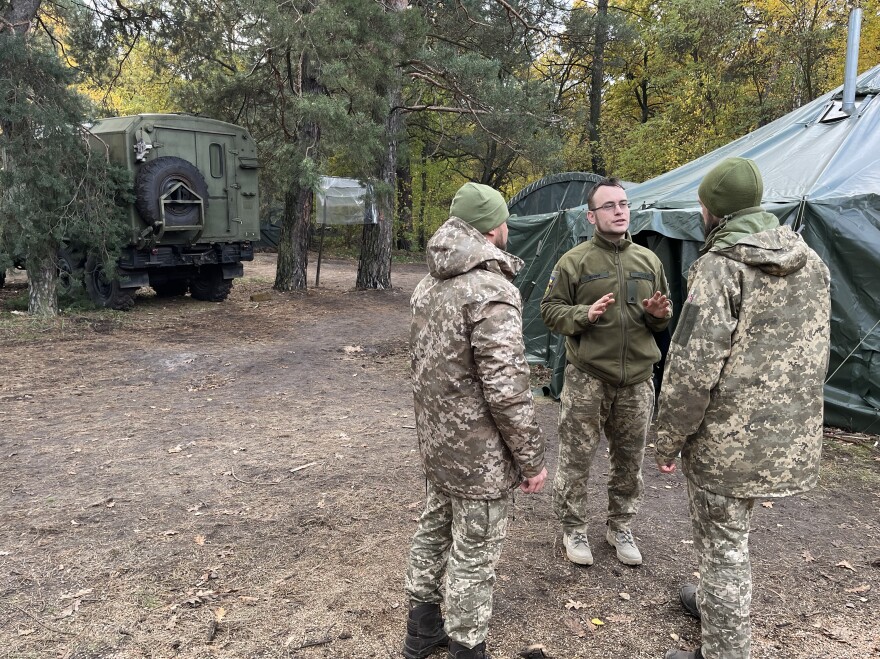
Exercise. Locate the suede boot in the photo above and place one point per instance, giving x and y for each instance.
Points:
(458, 651)
(424, 630)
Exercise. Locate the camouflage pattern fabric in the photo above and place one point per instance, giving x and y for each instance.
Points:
(475, 421)
(724, 593)
(464, 537)
(742, 390)
(475, 416)
(589, 406)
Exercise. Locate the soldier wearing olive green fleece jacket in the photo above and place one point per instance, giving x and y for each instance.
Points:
(606, 296)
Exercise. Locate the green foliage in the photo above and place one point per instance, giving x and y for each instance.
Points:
(492, 91)
(475, 97)
(55, 183)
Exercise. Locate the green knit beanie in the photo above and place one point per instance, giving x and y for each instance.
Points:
(480, 206)
(733, 184)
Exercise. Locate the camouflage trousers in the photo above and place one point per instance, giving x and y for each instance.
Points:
(462, 537)
(589, 406)
(724, 594)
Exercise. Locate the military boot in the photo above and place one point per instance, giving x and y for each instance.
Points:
(458, 651)
(684, 654)
(688, 597)
(424, 630)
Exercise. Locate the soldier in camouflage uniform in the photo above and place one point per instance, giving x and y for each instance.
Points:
(742, 393)
(475, 421)
(606, 296)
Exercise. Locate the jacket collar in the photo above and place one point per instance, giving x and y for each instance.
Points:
(604, 243)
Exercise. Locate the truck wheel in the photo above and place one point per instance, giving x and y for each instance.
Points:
(156, 177)
(103, 292)
(70, 271)
(170, 288)
(209, 284)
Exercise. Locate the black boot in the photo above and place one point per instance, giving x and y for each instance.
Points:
(458, 651)
(424, 630)
(688, 597)
(684, 654)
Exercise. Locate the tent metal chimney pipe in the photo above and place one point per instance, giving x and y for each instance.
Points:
(851, 68)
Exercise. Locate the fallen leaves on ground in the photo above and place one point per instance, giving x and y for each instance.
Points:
(574, 626)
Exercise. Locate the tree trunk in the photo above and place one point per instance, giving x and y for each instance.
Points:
(293, 244)
(642, 91)
(404, 206)
(596, 79)
(19, 15)
(42, 281)
(423, 201)
(374, 266)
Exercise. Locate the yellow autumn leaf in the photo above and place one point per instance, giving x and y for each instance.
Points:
(596, 621)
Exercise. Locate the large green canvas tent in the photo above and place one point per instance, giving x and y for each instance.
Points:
(821, 170)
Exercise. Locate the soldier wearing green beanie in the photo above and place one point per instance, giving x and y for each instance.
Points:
(742, 392)
(475, 422)
(731, 186)
(480, 206)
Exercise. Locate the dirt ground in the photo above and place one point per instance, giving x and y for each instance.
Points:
(241, 479)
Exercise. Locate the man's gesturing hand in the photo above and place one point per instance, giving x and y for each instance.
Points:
(599, 306)
(657, 305)
(535, 483)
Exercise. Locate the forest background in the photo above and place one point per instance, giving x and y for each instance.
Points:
(416, 97)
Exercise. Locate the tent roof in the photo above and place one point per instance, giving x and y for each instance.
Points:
(800, 156)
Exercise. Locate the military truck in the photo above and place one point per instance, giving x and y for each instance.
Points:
(196, 213)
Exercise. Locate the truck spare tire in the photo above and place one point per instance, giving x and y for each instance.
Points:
(158, 177)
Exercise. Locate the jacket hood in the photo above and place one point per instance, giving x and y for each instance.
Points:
(457, 247)
(777, 251)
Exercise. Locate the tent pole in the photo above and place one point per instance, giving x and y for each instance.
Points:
(321, 244)
(851, 66)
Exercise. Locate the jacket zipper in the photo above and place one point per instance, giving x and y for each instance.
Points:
(622, 310)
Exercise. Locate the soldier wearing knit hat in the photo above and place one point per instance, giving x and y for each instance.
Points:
(742, 395)
(475, 421)
(732, 186)
(484, 209)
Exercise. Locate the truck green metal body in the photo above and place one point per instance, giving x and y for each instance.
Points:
(196, 214)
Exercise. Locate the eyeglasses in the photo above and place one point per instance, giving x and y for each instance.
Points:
(611, 205)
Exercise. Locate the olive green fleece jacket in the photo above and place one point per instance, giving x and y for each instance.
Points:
(619, 348)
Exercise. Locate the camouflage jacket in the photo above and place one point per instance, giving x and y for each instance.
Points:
(742, 390)
(619, 348)
(475, 417)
